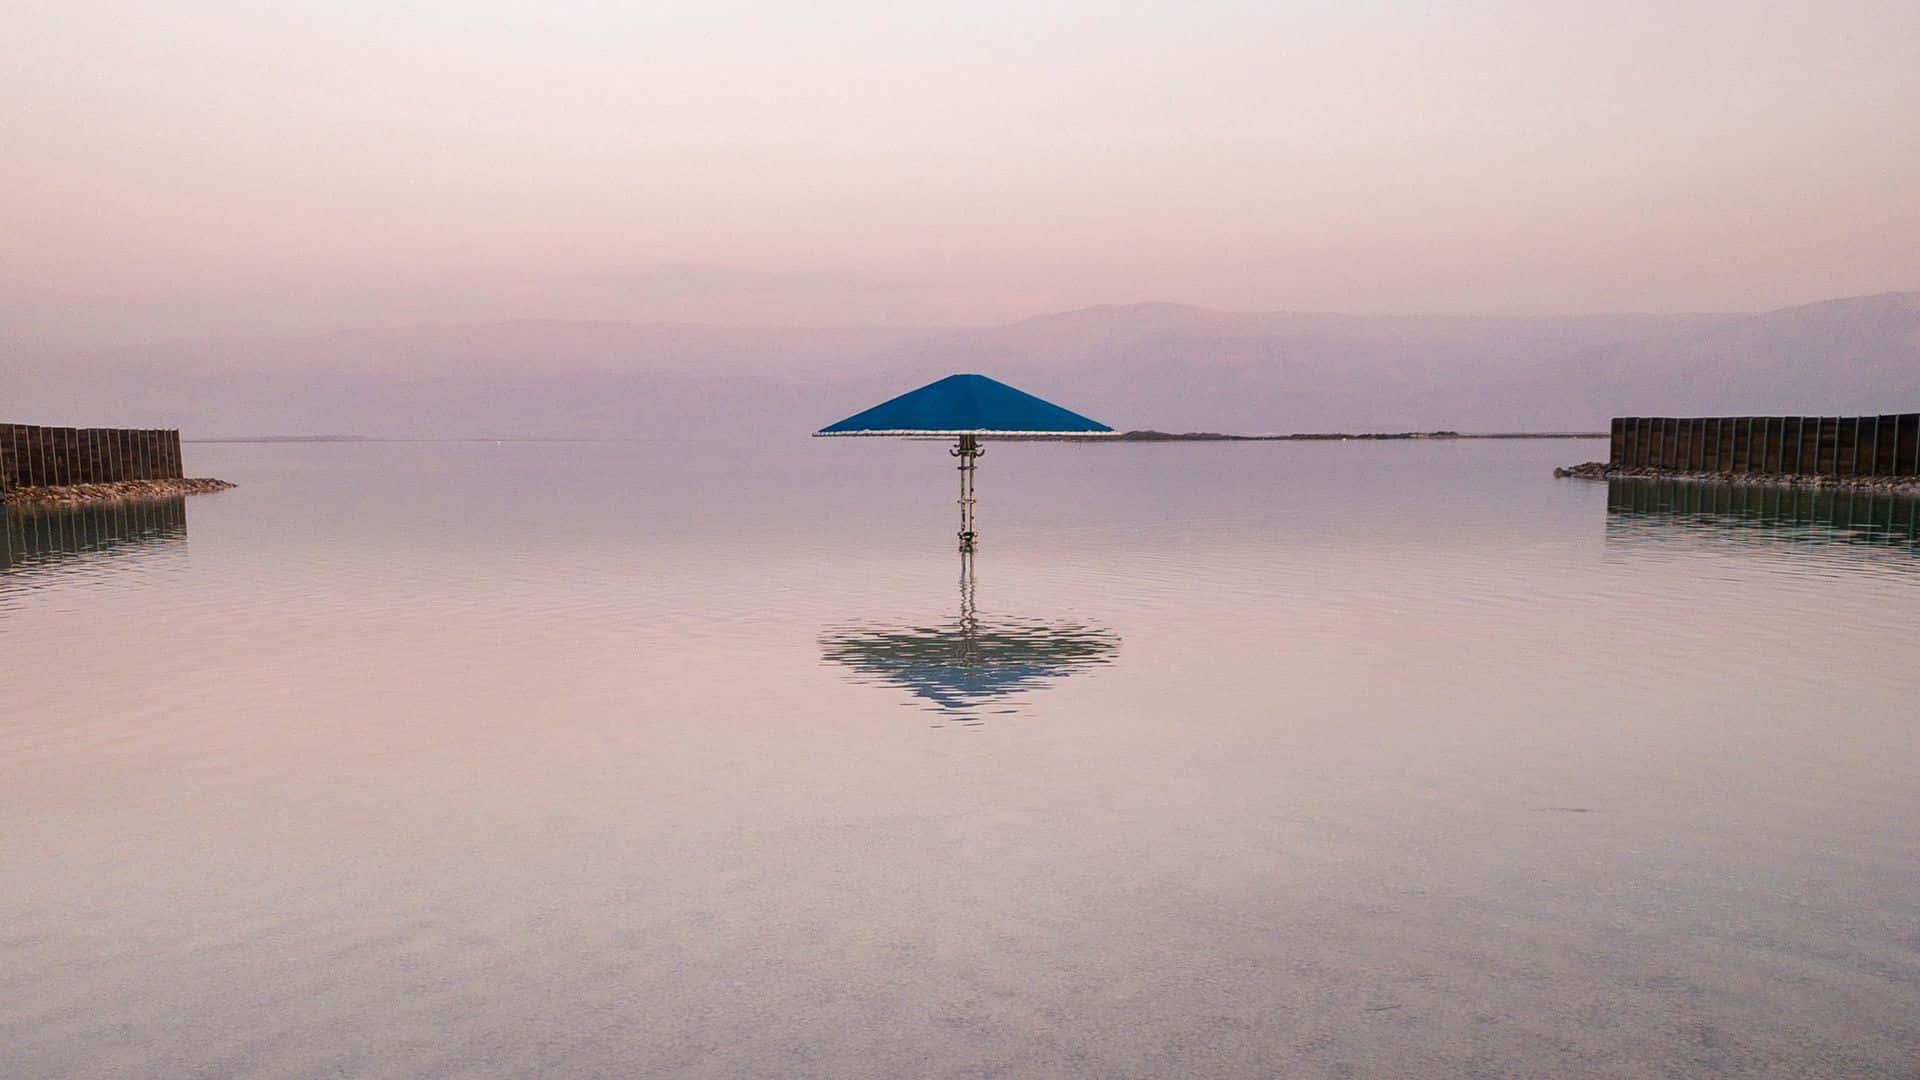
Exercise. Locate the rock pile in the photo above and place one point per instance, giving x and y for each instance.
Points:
(117, 491)
(1600, 470)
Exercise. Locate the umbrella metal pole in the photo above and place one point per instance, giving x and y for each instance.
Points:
(968, 452)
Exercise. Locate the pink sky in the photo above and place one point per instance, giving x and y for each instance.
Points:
(223, 168)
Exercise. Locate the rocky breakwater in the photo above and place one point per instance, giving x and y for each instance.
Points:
(1600, 470)
(111, 491)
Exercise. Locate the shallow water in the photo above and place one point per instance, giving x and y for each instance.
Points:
(1356, 759)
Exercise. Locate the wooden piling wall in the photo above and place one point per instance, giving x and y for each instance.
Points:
(34, 456)
(1884, 445)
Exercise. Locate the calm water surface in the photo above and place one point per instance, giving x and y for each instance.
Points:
(1228, 760)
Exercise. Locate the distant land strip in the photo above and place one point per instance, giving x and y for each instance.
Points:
(401, 439)
(279, 438)
(1143, 435)
(1339, 436)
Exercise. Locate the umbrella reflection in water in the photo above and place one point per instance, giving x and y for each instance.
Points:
(960, 666)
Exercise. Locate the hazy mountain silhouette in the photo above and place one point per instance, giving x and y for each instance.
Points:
(1164, 366)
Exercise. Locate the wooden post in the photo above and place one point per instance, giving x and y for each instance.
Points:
(1616, 441)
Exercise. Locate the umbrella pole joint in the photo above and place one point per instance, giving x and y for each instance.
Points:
(969, 452)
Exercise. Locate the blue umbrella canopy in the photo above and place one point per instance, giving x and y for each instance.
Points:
(967, 405)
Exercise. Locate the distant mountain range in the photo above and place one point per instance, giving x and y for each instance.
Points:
(1162, 366)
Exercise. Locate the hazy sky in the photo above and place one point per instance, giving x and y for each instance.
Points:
(180, 169)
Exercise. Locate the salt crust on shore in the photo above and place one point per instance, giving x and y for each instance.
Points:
(117, 491)
(1600, 470)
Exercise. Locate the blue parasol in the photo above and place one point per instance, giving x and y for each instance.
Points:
(967, 408)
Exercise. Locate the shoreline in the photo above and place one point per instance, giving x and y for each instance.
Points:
(1600, 470)
(57, 497)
